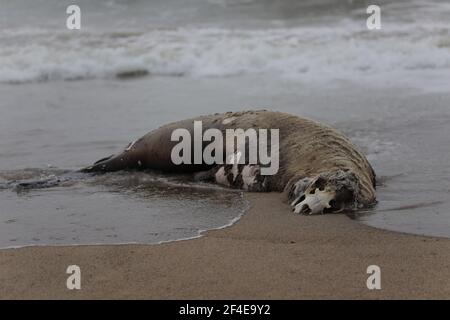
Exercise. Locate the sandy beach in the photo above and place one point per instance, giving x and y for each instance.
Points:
(269, 254)
(74, 93)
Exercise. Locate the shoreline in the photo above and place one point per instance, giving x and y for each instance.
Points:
(270, 253)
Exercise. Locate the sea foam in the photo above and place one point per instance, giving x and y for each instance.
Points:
(346, 51)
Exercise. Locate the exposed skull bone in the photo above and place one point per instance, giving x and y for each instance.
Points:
(328, 192)
(315, 203)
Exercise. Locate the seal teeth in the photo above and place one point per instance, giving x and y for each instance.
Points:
(297, 200)
(306, 209)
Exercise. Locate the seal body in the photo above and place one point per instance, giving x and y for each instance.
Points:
(320, 170)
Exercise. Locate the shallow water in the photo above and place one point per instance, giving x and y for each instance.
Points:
(116, 208)
(68, 99)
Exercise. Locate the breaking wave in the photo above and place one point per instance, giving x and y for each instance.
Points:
(312, 53)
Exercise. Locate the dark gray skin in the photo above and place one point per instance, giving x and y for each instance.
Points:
(321, 171)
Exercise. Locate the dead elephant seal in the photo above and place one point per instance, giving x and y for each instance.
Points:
(320, 170)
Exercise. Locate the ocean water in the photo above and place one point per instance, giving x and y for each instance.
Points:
(70, 97)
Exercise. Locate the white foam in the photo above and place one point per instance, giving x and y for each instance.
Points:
(346, 51)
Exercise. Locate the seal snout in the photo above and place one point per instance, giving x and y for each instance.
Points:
(329, 192)
(315, 202)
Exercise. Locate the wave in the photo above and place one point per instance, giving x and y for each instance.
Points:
(313, 53)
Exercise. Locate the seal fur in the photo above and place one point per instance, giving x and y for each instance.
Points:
(320, 170)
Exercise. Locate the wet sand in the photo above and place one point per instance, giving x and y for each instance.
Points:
(269, 254)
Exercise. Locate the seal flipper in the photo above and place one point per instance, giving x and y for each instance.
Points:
(111, 163)
(104, 159)
(98, 165)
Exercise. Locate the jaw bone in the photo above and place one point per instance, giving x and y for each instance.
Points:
(314, 203)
